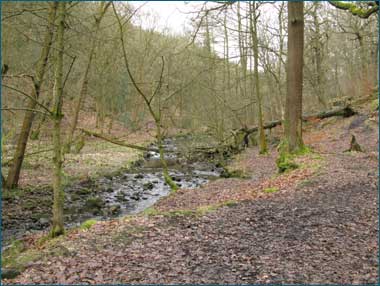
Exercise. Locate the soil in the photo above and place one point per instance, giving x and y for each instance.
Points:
(321, 226)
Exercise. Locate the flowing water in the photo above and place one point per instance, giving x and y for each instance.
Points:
(129, 192)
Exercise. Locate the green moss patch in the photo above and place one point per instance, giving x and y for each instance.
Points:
(374, 105)
(88, 224)
(285, 162)
(271, 190)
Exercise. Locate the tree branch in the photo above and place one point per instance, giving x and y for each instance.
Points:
(116, 141)
(356, 10)
(30, 97)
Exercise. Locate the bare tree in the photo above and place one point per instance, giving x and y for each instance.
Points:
(293, 107)
(156, 115)
(254, 16)
(58, 198)
(14, 172)
(102, 9)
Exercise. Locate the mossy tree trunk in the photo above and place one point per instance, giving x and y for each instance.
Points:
(58, 196)
(15, 169)
(293, 106)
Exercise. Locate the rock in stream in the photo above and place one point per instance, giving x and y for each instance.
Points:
(129, 192)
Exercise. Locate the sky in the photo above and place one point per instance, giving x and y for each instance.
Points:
(170, 14)
(176, 15)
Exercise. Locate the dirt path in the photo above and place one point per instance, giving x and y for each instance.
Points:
(321, 230)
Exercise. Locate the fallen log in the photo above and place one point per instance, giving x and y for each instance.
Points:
(117, 142)
(269, 125)
(343, 112)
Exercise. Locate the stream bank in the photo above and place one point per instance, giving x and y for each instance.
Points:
(126, 192)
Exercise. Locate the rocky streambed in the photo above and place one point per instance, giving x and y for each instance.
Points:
(128, 192)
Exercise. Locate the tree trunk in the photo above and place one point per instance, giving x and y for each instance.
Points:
(293, 107)
(279, 70)
(318, 55)
(83, 90)
(148, 101)
(255, 47)
(14, 171)
(58, 197)
(242, 78)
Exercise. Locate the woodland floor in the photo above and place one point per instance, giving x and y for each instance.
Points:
(319, 224)
(97, 158)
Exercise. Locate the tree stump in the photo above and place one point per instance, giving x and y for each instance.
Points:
(354, 145)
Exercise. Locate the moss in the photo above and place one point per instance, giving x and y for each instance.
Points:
(153, 212)
(78, 145)
(17, 257)
(285, 162)
(179, 213)
(173, 186)
(150, 212)
(271, 190)
(57, 231)
(374, 105)
(43, 239)
(206, 209)
(35, 134)
(230, 203)
(185, 212)
(88, 224)
(305, 150)
(203, 210)
(16, 247)
(226, 173)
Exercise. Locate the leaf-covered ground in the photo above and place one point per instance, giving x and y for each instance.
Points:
(319, 224)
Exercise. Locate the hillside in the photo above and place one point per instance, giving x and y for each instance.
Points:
(314, 224)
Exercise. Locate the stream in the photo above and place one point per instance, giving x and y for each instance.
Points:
(129, 192)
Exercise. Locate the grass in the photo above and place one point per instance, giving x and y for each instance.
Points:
(154, 212)
(97, 158)
(200, 211)
(17, 256)
(315, 163)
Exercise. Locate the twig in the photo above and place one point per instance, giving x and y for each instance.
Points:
(30, 97)
(25, 109)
